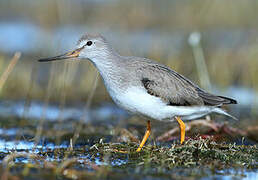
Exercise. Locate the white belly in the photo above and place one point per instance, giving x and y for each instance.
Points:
(137, 100)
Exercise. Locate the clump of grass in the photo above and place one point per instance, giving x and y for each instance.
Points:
(201, 152)
(116, 160)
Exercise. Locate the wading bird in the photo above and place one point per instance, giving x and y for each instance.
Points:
(145, 87)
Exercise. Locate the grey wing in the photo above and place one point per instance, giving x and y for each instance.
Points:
(175, 89)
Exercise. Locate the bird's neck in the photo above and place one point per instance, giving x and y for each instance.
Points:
(109, 69)
(105, 63)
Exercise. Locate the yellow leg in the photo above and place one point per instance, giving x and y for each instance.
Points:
(147, 134)
(182, 129)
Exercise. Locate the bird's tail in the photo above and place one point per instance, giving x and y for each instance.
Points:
(221, 111)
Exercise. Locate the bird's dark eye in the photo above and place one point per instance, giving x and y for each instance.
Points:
(89, 43)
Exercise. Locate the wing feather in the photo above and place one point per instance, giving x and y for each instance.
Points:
(175, 89)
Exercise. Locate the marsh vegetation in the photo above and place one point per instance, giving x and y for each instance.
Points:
(57, 120)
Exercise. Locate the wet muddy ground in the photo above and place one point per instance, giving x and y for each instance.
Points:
(103, 146)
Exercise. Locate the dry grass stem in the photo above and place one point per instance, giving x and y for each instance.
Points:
(43, 115)
(9, 69)
(92, 92)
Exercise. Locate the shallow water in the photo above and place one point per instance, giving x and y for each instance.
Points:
(101, 124)
(36, 110)
(121, 165)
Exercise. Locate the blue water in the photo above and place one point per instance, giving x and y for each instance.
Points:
(230, 174)
(37, 110)
(30, 38)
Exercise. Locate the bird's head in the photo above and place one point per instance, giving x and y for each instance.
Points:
(89, 46)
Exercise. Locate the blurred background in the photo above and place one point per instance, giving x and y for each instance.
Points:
(213, 43)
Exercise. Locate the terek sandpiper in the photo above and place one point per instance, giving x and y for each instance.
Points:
(143, 86)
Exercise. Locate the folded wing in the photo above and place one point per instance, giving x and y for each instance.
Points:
(175, 89)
